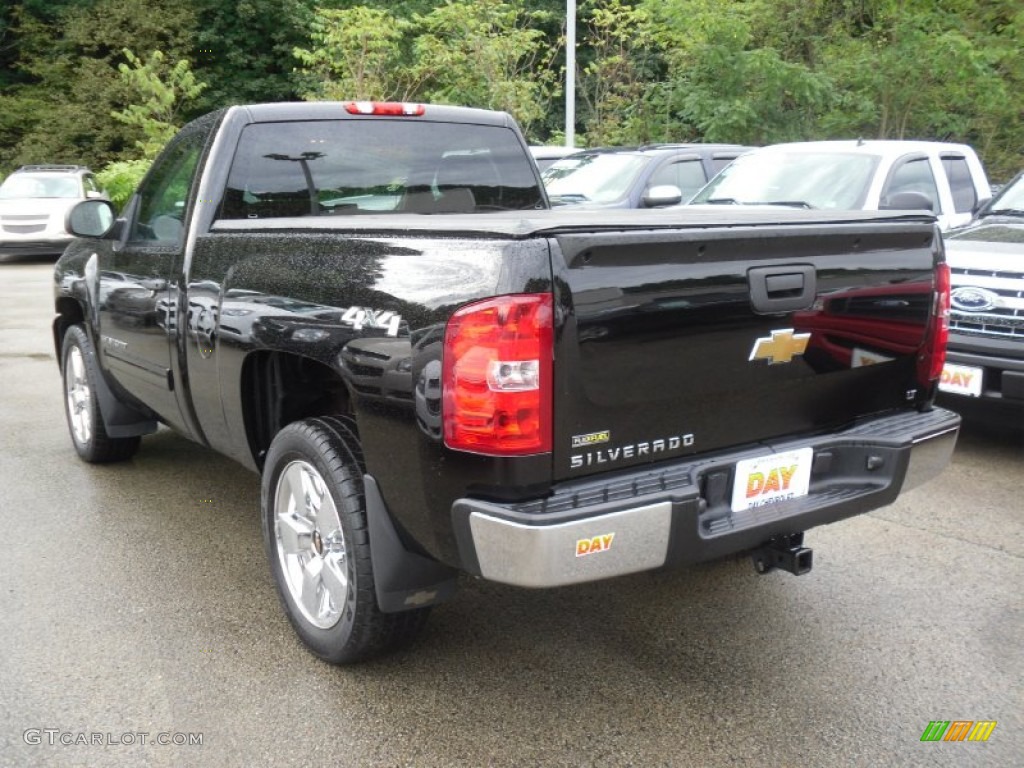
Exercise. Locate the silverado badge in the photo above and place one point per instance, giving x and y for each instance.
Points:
(780, 347)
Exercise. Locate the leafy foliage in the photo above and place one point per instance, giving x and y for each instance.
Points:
(70, 70)
(357, 54)
(121, 178)
(243, 49)
(162, 89)
(486, 53)
(750, 71)
(614, 81)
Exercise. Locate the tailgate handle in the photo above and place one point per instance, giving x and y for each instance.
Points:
(782, 289)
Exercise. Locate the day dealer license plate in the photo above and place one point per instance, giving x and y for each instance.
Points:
(770, 479)
(961, 380)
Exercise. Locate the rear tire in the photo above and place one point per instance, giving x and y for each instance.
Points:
(81, 405)
(318, 544)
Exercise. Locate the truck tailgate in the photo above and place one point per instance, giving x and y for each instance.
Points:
(694, 340)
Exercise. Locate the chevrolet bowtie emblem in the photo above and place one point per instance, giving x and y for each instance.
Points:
(421, 598)
(780, 347)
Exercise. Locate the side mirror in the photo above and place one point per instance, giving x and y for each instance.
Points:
(662, 195)
(907, 201)
(90, 218)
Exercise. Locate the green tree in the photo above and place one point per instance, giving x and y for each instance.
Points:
(356, 54)
(725, 86)
(71, 81)
(753, 71)
(614, 83)
(943, 70)
(161, 89)
(490, 54)
(120, 179)
(243, 49)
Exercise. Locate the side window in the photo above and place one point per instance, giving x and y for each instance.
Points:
(688, 175)
(89, 182)
(913, 175)
(164, 195)
(960, 183)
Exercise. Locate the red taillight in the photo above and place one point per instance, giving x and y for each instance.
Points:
(393, 108)
(933, 356)
(496, 376)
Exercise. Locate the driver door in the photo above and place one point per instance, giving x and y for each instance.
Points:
(138, 315)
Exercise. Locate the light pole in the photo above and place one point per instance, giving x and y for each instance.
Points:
(570, 73)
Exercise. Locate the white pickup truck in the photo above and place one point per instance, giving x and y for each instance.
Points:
(946, 179)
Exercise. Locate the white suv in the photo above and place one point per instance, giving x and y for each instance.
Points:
(33, 202)
(947, 179)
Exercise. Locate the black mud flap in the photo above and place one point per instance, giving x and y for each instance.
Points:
(404, 580)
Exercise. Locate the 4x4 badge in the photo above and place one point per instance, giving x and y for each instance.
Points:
(780, 347)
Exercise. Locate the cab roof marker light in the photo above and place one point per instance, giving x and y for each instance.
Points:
(392, 108)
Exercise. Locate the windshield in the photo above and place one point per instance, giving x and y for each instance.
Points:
(1010, 199)
(836, 180)
(597, 178)
(22, 185)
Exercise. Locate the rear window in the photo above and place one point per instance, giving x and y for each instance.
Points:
(375, 166)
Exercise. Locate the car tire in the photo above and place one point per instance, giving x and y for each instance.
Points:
(318, 544)
(81, 405)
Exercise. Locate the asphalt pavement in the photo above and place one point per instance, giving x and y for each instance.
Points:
(139, 626)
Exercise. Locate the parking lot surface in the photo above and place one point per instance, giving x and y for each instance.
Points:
(136, 608)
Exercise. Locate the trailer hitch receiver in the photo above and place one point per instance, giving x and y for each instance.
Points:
(787, 553)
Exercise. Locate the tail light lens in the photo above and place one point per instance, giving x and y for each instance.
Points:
(497, 376)
(933, 356)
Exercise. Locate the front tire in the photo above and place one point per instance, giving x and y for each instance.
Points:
(81, 405)
(318, 544)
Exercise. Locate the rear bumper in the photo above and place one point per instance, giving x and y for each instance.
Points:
(636, 521)
(1001, 362)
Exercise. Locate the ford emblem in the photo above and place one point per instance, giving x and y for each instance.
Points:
(969, 299)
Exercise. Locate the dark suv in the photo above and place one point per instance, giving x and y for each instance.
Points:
(652, 176)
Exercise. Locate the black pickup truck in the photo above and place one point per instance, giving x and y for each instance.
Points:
(372, 305)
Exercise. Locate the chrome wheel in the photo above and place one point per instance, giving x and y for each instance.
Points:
(310, 544)
(79, 396)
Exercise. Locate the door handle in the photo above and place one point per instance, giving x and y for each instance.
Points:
(785, 288)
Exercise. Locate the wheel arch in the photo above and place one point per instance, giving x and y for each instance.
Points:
(279, 388)
(69, 312)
